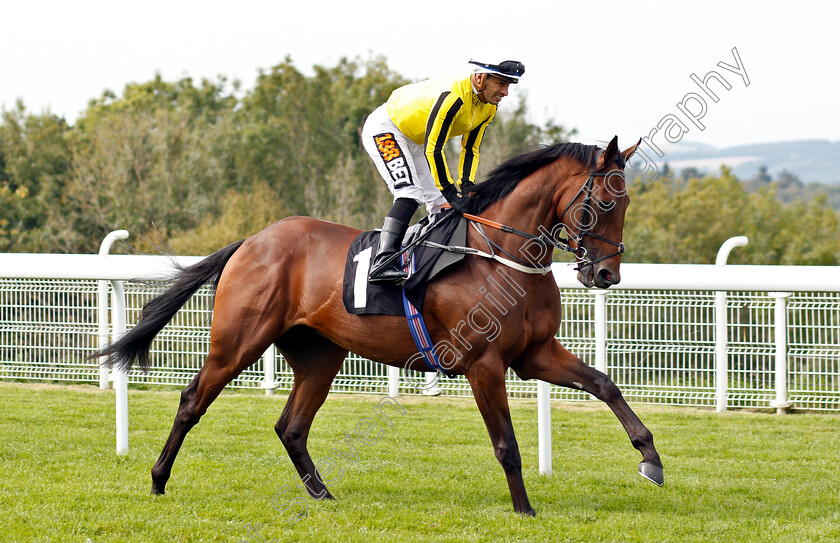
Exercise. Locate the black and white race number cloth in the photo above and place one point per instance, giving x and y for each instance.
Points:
(363, 298)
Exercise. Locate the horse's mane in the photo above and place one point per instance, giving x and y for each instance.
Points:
(507, 175)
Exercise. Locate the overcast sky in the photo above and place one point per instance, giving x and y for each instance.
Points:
(603, 67)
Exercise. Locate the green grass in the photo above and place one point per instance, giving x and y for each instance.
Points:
(432, 477)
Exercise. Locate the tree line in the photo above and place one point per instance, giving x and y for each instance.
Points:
(686, 219)
(196, 165)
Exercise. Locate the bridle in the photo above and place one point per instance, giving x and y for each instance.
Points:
(581, 255)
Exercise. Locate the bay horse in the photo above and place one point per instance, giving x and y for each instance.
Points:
(283, 286)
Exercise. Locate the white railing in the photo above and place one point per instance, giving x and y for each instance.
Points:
(657, 333)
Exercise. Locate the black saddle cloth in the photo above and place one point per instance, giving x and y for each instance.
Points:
(363, 298)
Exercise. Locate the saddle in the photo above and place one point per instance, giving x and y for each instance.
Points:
(426, 262)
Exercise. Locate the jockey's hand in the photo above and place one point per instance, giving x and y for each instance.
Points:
(459, 203)
(466, 188)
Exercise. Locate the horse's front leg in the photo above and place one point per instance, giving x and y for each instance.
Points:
(552, 363)
(488, 385)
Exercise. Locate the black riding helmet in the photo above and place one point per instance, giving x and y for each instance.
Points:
(509, 70)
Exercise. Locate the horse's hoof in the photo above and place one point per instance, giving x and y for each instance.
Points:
(157, 490)
(652, 473)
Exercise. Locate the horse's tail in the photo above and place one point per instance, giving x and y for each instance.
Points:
(160, 310)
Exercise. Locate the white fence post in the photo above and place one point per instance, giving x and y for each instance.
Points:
(120, 375)
(780, 332)
(393, 381)
(544, 426)
(600, 330)
(721, 358)
(269, 370)
(102, 302)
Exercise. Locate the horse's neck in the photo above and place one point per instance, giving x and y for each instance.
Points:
(531, 208)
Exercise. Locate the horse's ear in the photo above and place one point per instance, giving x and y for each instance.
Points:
(611, 153)
(629, 152)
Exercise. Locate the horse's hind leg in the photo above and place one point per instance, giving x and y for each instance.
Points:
(554, 364)
(223, 364)
(315, 361)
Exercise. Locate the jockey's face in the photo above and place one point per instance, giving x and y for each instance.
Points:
(494, 89)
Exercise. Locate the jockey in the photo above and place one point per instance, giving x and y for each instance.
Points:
(406, 137)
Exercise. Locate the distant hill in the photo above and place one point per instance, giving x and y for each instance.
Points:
(810, 160)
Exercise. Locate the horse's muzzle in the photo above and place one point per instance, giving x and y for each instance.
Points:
(605, 278)
(596, 276)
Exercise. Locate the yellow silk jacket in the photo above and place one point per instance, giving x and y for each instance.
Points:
(432, 111)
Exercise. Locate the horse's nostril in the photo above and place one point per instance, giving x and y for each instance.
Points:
(606, 276)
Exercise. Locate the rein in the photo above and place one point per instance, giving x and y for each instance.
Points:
(512, 262)
(581, 255)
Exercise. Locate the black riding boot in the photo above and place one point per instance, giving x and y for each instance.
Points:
(393, 231)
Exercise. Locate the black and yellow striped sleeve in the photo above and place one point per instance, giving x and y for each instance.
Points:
(468, 163)
(438, 126)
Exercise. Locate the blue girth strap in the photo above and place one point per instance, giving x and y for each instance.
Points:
(417, 325)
